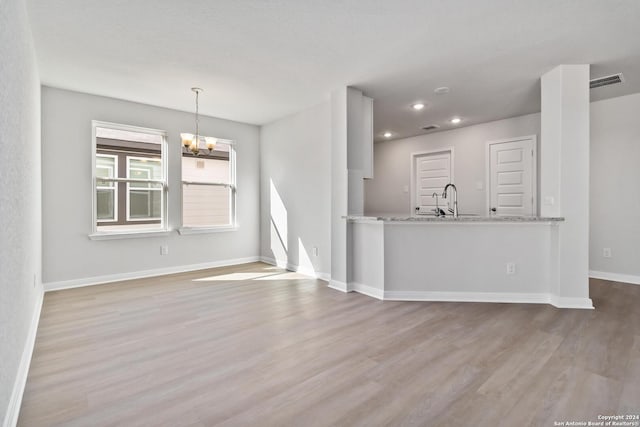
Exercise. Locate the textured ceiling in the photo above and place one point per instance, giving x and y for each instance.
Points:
(261, 60)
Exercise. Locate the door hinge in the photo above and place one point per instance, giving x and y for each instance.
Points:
(532, 152)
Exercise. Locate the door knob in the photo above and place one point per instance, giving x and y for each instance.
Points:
(494, 210)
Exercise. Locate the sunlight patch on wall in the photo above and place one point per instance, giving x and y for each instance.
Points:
(304, 262)
(279, 232)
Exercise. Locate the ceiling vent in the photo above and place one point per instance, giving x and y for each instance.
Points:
(430, 127)
(606, 81)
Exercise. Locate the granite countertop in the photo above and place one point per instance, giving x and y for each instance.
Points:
(448, 218)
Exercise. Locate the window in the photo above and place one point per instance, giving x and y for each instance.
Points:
(106, 191)
(144, 199)
(130, 190)
(209, 188)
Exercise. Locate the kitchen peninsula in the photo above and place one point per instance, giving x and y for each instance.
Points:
(469, 258)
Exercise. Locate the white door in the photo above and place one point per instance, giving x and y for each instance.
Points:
(432, 173)
(512, 177)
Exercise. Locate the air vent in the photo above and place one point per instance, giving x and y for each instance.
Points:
(430, 127)
(606, 81)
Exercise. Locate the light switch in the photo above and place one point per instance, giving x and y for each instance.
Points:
(549, 200)
(479, 185)
(405, 189)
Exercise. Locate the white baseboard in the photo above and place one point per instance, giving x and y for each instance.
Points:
(366, 290)
(495, 297)
(570, 302)
(298, 269)
(615, 277)
(339, 286)
(15, 401)
(499, 297)
(99, 280)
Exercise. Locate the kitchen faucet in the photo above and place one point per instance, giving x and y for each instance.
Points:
(437, 210)
(455, 198)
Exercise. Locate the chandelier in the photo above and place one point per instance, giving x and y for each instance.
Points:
(194, 143)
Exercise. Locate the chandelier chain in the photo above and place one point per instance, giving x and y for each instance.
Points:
(197, 119)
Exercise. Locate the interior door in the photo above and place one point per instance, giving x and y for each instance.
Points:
(511, 177)
(432, 173)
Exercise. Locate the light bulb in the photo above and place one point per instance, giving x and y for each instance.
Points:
(187, 138)
(211, 143)
(194, 147)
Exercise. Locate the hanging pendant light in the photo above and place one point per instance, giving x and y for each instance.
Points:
(192, 142)
(211, 143)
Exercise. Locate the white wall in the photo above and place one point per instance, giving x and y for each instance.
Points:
(20, 210)
(392, 163)
(68, 254)
(615, 186)
(296, 189)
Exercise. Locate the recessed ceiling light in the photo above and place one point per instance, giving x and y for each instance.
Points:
(387, 134)
(441, 90)
(456, 120)
(418, 106)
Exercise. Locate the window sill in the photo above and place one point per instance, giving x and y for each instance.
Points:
(204, 230)
(129, 235)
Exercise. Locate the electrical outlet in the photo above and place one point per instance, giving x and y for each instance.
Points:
(315, 251)
(606, 252)
(511, 268)
(164, 250)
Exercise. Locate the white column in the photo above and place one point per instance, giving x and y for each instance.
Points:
(339, 189)
(564, 180)
(351, 160)
(359, 147)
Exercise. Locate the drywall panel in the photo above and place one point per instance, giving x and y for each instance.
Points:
(67, 251)
(20, 211)
(295, 165)
(615, 193)
(467, 257)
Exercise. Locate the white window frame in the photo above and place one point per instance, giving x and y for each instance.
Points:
(114, 189)
(164, 221)
(128, 209)
(232, 185)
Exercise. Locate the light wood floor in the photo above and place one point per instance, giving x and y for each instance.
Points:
(254, 345)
